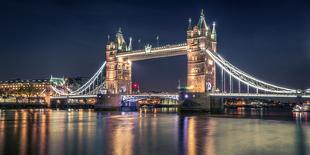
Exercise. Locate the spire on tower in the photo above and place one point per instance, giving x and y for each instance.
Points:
(201, 13)
(108, 38)
(121, 44)
(129, 48)
(202, 24)
(119, 34)
(157, 40)
(119, 30)
(189, 23)
(213, 34)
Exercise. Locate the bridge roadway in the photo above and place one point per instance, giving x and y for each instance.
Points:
(247, 95)
(158, 52)
(175, 95)
(142, 95)
(73, 96)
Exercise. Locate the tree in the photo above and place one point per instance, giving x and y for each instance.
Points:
(29, 91)
(2, 93)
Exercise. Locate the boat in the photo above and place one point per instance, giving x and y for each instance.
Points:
(301, 108)
(257, 104)
(145, 106)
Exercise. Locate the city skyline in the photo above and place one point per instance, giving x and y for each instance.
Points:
(74, 44)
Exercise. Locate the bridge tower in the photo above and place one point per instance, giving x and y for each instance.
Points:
(118, 70)
(201, 73)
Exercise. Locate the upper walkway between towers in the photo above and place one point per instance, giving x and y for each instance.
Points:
(157, 52)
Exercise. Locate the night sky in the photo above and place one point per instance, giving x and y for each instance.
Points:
(268, 39)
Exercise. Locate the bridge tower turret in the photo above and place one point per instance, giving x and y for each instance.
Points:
(212, 65)
(213, 38)
(111, 70)
(118, 71)
(200, 67)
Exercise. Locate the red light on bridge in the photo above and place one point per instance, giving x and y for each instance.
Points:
(135, 86)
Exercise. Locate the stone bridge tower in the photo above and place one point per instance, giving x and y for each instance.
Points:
(118, 70)
(201, 68)
(201, 73)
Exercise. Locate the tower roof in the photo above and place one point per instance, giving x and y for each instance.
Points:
(119, 33)
(121, 44)
(202, 24)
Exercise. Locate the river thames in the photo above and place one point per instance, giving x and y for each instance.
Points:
(160, 131)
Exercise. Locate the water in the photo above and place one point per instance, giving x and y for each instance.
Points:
(87, 132)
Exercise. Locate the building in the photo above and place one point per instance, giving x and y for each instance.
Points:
(35, 90)
(13, 86)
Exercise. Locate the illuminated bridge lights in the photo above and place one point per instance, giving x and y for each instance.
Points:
(134, 98)
(94, 83)
(274, 91)
(246, 78)
(201, 50)
(73, 96)
(164, 51)
(257, 95)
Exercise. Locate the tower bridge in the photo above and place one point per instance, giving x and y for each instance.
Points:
(203, 60)
(200, 66)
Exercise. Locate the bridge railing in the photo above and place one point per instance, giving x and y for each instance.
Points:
(253, 95)
(154, 50)
(90, 87)
(147, 95)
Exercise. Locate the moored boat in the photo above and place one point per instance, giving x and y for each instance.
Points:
(301, 108)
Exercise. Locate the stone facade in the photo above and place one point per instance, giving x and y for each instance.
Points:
(201, 71)
(118, 70)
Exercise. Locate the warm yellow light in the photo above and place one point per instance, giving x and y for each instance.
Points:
(210, 62)
(190, 87)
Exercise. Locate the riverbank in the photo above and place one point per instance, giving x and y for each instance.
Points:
(23, 105)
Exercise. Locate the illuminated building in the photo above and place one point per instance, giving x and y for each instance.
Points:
(19, 90)
(12, 86)
(200, 67)
(118, 71)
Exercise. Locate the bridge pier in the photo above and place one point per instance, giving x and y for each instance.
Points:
(108, 102)
(216, 104)
(200, 102)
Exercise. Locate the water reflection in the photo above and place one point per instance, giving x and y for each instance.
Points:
(189, 135)
(150, 132)
(21, 134)
(209, 140)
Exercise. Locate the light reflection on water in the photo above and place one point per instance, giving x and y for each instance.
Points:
(151, 132)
